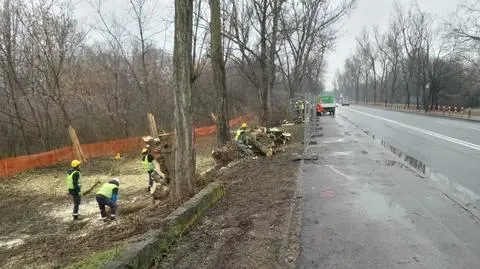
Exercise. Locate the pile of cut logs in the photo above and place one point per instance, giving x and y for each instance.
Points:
(262, 140)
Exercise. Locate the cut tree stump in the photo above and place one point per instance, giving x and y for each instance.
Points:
(226, 154)
(163, 152)
(159, 191)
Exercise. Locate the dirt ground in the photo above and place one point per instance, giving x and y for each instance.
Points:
(36, 227)
(248, 227)
(37, 231)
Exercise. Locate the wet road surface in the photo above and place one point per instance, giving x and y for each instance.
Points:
(450, 148)
(364, 209)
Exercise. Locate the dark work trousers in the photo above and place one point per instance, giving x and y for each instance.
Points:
(104, 201)
(150, 179)
(76, 200)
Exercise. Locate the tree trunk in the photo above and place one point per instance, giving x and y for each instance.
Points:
(218, 69)
(182, 184)
(273, 45)
(9, 65)
(263, 65)
(365, 90)
(374, 83)
(357, 90)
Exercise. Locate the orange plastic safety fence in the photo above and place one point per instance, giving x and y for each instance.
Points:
(15, 165)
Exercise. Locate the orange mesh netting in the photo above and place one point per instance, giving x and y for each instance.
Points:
(15, 165)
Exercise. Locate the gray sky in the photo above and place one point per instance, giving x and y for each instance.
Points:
(368, 12)
(375, 12)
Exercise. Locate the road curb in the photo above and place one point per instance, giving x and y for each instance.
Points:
(149, 247)
(424, 114)
(290, 249)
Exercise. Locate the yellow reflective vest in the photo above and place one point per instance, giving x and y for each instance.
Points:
(147, 166)
(107, 190)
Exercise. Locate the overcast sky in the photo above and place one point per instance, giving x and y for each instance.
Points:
(375, 12)
(368, 12)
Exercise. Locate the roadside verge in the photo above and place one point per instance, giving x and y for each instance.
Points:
(145, 249)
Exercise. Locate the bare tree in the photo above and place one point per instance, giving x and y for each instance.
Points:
(258, 19)
(369, 55)
(307, 25)
(218, 68)
(465, 26)
(136, 48)
(182, 55)
(417, 40)
(54, 39)
(8, 46)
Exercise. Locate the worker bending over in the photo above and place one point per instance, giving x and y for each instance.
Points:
(74, 186)
(107, 195)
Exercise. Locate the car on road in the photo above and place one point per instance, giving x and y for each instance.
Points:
(345, 103)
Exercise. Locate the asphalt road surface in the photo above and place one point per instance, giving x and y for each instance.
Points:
(450, 148)
(364, 209)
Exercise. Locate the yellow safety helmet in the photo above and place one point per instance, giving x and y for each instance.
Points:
(145, 150)
(244, 125)
(75, 163)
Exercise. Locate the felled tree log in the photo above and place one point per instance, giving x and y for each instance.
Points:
(278, 136)
(265, 149)
(226, 154)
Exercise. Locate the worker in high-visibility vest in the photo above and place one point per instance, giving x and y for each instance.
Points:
(240, 135)
(107, 195)
(241, 139)
(148, 166)
(74, 186)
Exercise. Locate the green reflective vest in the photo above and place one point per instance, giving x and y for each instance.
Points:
(107, 190)
(147, 166)
(70, 180)
(239, 133)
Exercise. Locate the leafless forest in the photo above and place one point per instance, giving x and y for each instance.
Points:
(418, 60)
(55, 75)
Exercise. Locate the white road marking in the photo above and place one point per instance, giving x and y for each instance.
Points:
(474, 128)
(423, 131)
(339, 172)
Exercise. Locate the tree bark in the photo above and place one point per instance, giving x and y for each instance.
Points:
(264, 90)
(182, 184)
(8, 39)
(277, 5)
(218, 69)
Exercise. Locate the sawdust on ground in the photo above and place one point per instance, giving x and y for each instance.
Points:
(36, 227)
(36, 230)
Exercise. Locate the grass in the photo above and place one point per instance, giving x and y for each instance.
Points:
(98, 259)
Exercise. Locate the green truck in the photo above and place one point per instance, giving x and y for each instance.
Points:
(327, 104)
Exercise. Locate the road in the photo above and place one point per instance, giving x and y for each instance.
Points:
(451, 148)
(364, 209)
